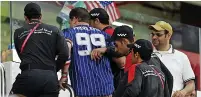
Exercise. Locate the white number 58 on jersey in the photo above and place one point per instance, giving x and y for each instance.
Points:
(88, 41)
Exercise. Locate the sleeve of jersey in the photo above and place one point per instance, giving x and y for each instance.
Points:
(68, 34)
(108, 42)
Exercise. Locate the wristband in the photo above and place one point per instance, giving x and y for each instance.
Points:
(64, 77)
(64, 72)
(67, 63)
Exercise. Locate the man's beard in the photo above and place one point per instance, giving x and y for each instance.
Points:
(129, 51)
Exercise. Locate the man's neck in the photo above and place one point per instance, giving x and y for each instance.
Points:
(102, 26)
(139, 61)
(163, 48)
(82, 23)
(33, 20)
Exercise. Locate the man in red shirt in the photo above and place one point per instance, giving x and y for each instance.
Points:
(99, 19)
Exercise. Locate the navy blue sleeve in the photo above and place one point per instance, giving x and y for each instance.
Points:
(108, 42)
(68, 34)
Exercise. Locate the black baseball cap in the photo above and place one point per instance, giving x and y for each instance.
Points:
(143, 47)
(99, 13)
(32, 9)
(123, 32)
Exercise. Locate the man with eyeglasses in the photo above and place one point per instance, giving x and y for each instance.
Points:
(176, 61)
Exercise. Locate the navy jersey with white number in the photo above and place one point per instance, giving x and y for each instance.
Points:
(89, 77)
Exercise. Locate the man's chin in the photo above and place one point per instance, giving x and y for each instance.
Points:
(155, 44)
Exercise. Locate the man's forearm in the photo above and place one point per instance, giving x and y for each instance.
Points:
(110, 52)
(67, 64)
(65, 69)
(190, 87)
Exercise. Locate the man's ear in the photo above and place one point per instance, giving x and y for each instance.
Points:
(123, 41)
(137, 55)
(168, 35)
(97, 21)
(26, 19)
(134, 39)
(75, 20)
(40, 17)
(126, 41)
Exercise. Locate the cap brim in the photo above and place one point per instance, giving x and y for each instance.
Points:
(155, 27)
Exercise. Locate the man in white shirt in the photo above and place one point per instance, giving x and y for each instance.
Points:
(176, 61)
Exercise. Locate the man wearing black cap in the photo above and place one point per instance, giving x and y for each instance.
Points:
(122, 36)
(37, 45)
(147, 79)
(100, 19)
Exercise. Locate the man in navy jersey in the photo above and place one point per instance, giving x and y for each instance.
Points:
(89, 78)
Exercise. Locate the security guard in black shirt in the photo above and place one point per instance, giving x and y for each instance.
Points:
(37, 45)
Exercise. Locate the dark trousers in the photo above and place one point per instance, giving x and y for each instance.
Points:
(36, 83)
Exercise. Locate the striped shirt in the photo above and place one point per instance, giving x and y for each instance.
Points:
(89, 77)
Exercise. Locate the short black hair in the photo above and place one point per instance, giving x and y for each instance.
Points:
(102, 15)
(33, 16)
(103, 21)
(81, 13)
(144, 57)
(121, 39)
(32, 11)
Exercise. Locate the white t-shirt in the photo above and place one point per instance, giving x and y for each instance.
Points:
(178, 64)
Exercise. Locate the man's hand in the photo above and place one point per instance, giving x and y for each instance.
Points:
(96, 54)
(62, 82)
(179, 94)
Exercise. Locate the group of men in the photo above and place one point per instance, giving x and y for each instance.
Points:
(101, 61)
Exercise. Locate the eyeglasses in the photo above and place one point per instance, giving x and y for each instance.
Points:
(157, 34)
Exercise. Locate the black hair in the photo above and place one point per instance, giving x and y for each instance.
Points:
(80, 13)
(121, 39)
(103, 20)
(32, 11)
(145, 56)
(33, 16)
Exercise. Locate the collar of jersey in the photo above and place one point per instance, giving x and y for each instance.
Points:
(81, 25)
(164, 52)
